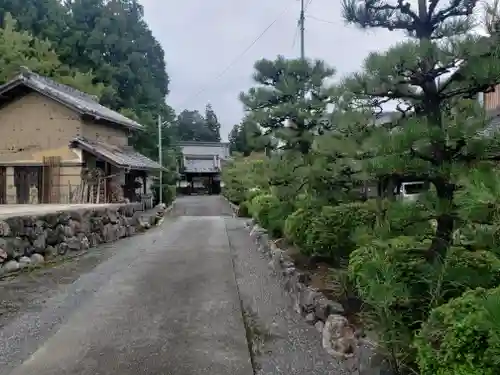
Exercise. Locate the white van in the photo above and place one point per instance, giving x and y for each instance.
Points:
(410, 191)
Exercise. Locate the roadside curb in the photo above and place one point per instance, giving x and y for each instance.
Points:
(338, 337)
(233, 206)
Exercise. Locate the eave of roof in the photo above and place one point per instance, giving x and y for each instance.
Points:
(121, 157)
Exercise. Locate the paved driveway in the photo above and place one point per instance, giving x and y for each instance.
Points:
(166, 303)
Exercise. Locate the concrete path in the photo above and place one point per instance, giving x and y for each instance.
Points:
(169, 302)
(165, 304)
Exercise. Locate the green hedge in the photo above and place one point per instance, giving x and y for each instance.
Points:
(270, 213)
(331, 230)
(462, 337)
(296, 226)
(400, 287)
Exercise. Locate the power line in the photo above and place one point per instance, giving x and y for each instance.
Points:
(235, 60)
(295, 35)
(321, 20)
(307, 5)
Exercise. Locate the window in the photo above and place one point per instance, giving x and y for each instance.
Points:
(414, 188)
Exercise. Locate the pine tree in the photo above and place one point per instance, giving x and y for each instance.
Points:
(247, 137)
(434, 78)
(290, 99)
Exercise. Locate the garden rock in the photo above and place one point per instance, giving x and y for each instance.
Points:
(310, 318)
(40, 242)
(338, 337)
(289, 271)
(37, 258)
(84, 241)
(319, 325)
(11, 266)
(49, 252)
(276, 259)
(307, 299)
(323, 308)
(62, 248)
(24, 262)
(3, 256)
(74, 244)
(4, 229)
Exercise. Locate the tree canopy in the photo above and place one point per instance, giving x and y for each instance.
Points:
(212, 123)
(191, 125)
(20, 48)
(289, 99)
(109, 40)
(247, 137)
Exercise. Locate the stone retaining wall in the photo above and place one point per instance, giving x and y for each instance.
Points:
(339, 338)
(29, 240)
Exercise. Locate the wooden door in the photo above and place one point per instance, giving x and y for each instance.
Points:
(24, 179)
(3, 185)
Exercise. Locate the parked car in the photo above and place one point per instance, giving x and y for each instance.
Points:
(410, 191)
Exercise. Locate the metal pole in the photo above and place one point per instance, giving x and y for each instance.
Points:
(160, 161)
(302, 27)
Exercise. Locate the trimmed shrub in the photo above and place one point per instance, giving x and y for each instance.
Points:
(330, 232)
(296, 224)
(462, 337)
(400, 287)
(401, 263)
(270, 213)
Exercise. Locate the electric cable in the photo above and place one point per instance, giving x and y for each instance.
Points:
(237, 58)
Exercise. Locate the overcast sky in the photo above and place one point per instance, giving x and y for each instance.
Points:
(201, 38)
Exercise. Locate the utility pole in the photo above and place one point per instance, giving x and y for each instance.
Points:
(302, 29)
(160, 160)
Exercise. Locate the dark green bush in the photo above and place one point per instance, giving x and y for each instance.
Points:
(400, 287)
(296, 224)
(462, 337)
(270, 213)
(330, 231)
(401, 261)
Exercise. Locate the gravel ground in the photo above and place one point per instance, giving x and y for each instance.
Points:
(285, 344)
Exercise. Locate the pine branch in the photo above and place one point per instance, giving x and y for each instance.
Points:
(418, 154)
(374, 14)
(432, 7)
(455, 8)
(468, 92)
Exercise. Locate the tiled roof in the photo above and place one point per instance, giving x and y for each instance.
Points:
(122, 157)
(80, 101)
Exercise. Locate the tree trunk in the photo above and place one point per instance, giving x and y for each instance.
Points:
(445, 220)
